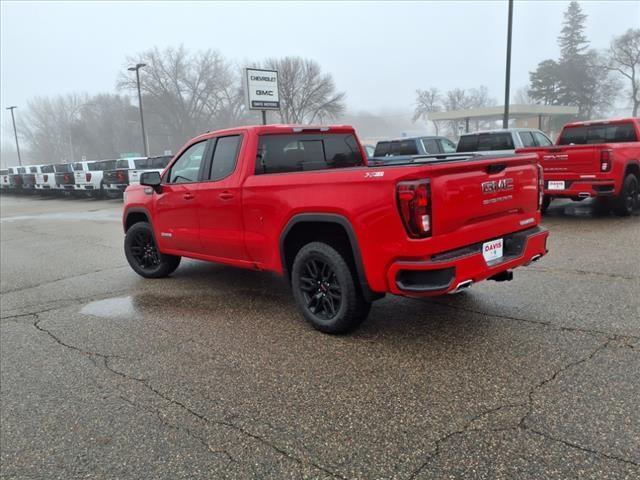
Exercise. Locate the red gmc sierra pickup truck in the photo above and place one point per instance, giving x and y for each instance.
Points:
(599, 159)
(302, 202)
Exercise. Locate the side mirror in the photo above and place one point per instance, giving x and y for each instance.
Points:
(151, 179)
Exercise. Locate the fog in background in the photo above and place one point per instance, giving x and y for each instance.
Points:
(378, 53)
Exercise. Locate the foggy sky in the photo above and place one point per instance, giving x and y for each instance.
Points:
(378, 52)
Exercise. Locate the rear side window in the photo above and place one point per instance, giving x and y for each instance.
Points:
(593, 134)
(4, 172)
(22, 170)
(46, 169)
(142, 163)
(225, 157)
(527, 139)
(33, 169)
(62, 168)
(122, 164)
(77, 167)
(304, 152)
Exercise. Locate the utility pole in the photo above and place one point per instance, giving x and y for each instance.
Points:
(507, 81)
(136, 69)
(15, 132)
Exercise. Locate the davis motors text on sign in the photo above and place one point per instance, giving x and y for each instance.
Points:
(262, 89)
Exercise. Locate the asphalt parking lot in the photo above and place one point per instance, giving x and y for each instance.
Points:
(211, 373)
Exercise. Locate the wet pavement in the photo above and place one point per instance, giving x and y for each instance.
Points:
(211, 373)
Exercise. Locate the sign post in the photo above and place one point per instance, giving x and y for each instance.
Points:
(262, 90)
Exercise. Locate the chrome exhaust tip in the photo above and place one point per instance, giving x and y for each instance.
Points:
(462, 286)
(534, 259)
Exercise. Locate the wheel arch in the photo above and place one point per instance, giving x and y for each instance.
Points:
(293, 238)
(135, 215)
(632, 167)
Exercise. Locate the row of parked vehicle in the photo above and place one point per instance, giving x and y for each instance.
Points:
(593, 159)
(93, 178)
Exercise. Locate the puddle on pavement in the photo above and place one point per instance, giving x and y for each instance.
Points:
(96, 216)
(118, 307)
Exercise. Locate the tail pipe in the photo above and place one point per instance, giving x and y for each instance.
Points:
(462, 286)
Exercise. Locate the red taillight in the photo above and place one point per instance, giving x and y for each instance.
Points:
(87, 176)
(46, 178)
(540, 186)
(66, 177)
(414, 204)
(121, 175)
(606, 160)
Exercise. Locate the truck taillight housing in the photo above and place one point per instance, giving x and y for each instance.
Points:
(46, 178)
(540, 186)
(414, 204)
(120, 175)
(87, 176)
(606, 160)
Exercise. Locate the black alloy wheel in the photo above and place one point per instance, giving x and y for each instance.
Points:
(320, 288)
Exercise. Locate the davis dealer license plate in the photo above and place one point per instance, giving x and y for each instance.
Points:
(492, 250)
(555, 185)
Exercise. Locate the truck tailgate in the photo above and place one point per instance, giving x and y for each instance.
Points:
(470, 193)
(576, 159)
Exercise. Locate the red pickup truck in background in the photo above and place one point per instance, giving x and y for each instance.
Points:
(594, 159)
(302, 202)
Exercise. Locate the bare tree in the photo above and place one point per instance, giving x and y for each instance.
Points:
(306, 94)
(47, 126)
(186, 92)
(427, 101)
(624, 54)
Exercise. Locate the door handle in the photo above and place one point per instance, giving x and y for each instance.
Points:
(226, 196)
(187, 196)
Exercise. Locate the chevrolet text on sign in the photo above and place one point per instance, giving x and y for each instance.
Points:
(262, 89)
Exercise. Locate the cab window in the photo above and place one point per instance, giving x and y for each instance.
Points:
(542, 140)
(225, 157)
(447, 146)
(187, 168)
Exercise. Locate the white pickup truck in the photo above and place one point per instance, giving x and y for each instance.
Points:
(128, 170)
(89, 176)
(45, 178)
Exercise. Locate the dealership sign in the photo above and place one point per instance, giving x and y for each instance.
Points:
(262, 89)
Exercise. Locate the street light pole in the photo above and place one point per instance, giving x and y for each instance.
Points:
(15, 132)
(507, 82)
(144, 135)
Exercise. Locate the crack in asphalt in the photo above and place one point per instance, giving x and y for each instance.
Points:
(48, 282)
(559, 328)
(521, 424)
(186, 430)
(105, 363)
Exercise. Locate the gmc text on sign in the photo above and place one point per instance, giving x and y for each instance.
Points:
(262, 89)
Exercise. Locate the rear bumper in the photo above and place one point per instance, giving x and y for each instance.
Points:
(583, 187)
(444, 272)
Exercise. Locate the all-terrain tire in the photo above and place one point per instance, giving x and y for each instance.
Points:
(142, 253)
(326, 289)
